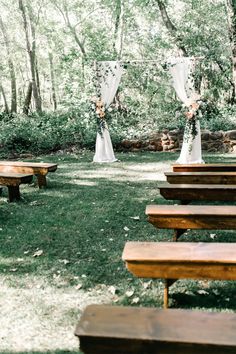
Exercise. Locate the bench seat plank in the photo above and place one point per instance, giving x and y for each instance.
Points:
(201, 177)
(207, 167)
(189, 192)
(183, 260)
(116, 329)
(183, 217)
(40, 169)
(12, 181)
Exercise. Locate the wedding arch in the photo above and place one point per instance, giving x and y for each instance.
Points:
(181, 70)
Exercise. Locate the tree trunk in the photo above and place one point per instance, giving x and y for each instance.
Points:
(54, 97)
(31, 49)
(119, 27)
(4, 99)
(28, 99)
(171, 28)
(11, 68)
(231, 14)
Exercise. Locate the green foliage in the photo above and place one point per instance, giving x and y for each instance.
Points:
(48, 132)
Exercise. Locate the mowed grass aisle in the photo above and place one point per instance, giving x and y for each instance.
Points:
(61, 249)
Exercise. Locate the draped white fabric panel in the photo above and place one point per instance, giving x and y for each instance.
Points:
(181, 70)
(110, 73)
(191, 151)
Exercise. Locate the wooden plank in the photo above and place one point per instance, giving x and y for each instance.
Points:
(208, 192)
(207, 167)
(216, 261)
(49, 166)
(14, 179)
(182, 252)
(222, 217)
(39, 169)
(12, 182)
(201, 177)
(181, 260)
(129, 330)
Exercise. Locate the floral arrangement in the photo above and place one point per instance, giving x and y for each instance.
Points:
(192, 116)
(100, 113)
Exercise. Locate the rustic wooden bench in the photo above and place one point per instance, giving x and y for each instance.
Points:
(132, 330)
(183, 217)
(39, 169)
(205, 167)
(172, 261)
(12, 181)
(185, 193)
(201, 177)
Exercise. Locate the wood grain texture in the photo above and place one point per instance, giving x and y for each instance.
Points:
(195, 252)
(113, 329)
(208, 192)
(165, 260)
(207, 167)
(39, 169)
(207, 217)
(14, 179)
(201, 177)
(181, 260)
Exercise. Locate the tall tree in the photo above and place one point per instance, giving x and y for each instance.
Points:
(171, 27)
(29, 29)
(11, 67)
(231, 14)
(119, 29)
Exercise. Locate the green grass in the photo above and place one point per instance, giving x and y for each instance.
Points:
(81, 223)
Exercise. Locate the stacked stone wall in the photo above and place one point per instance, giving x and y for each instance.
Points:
(171, 140)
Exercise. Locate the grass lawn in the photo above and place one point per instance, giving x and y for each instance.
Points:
(61, 249)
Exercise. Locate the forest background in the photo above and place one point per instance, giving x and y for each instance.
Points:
(48, 81)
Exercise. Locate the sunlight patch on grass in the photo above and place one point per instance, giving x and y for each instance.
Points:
(129, 173)
(44, 319)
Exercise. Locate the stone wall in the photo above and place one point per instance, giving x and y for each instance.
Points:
(172, 141)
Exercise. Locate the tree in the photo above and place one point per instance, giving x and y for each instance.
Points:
(231, 15)
(29, 29)
(11, 69)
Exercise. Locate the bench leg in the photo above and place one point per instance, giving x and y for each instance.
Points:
(178, 233)
(42, 182)
(13, 193)
(167, 284)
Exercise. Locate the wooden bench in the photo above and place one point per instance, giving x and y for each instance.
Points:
(208, 192)
(172, 261)
(201, 177)
(132, 330)
(183, 217)
(205, 167)
(39, 169)
(12, 181)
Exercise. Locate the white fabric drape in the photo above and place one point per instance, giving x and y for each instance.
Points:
(181, 70)
(109, 73)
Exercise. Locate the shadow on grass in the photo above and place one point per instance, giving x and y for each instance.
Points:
(81, 228)
(220, 298)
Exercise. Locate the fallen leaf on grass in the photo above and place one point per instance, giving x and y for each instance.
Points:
(202, 292)
(13, 269)
(38, 253)
(112, 289)
(213, 236)
(79, 286)
(126, 228)
(135, 300)
(65, 261)
(135, 217)
(129, 293)
(147, 284)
